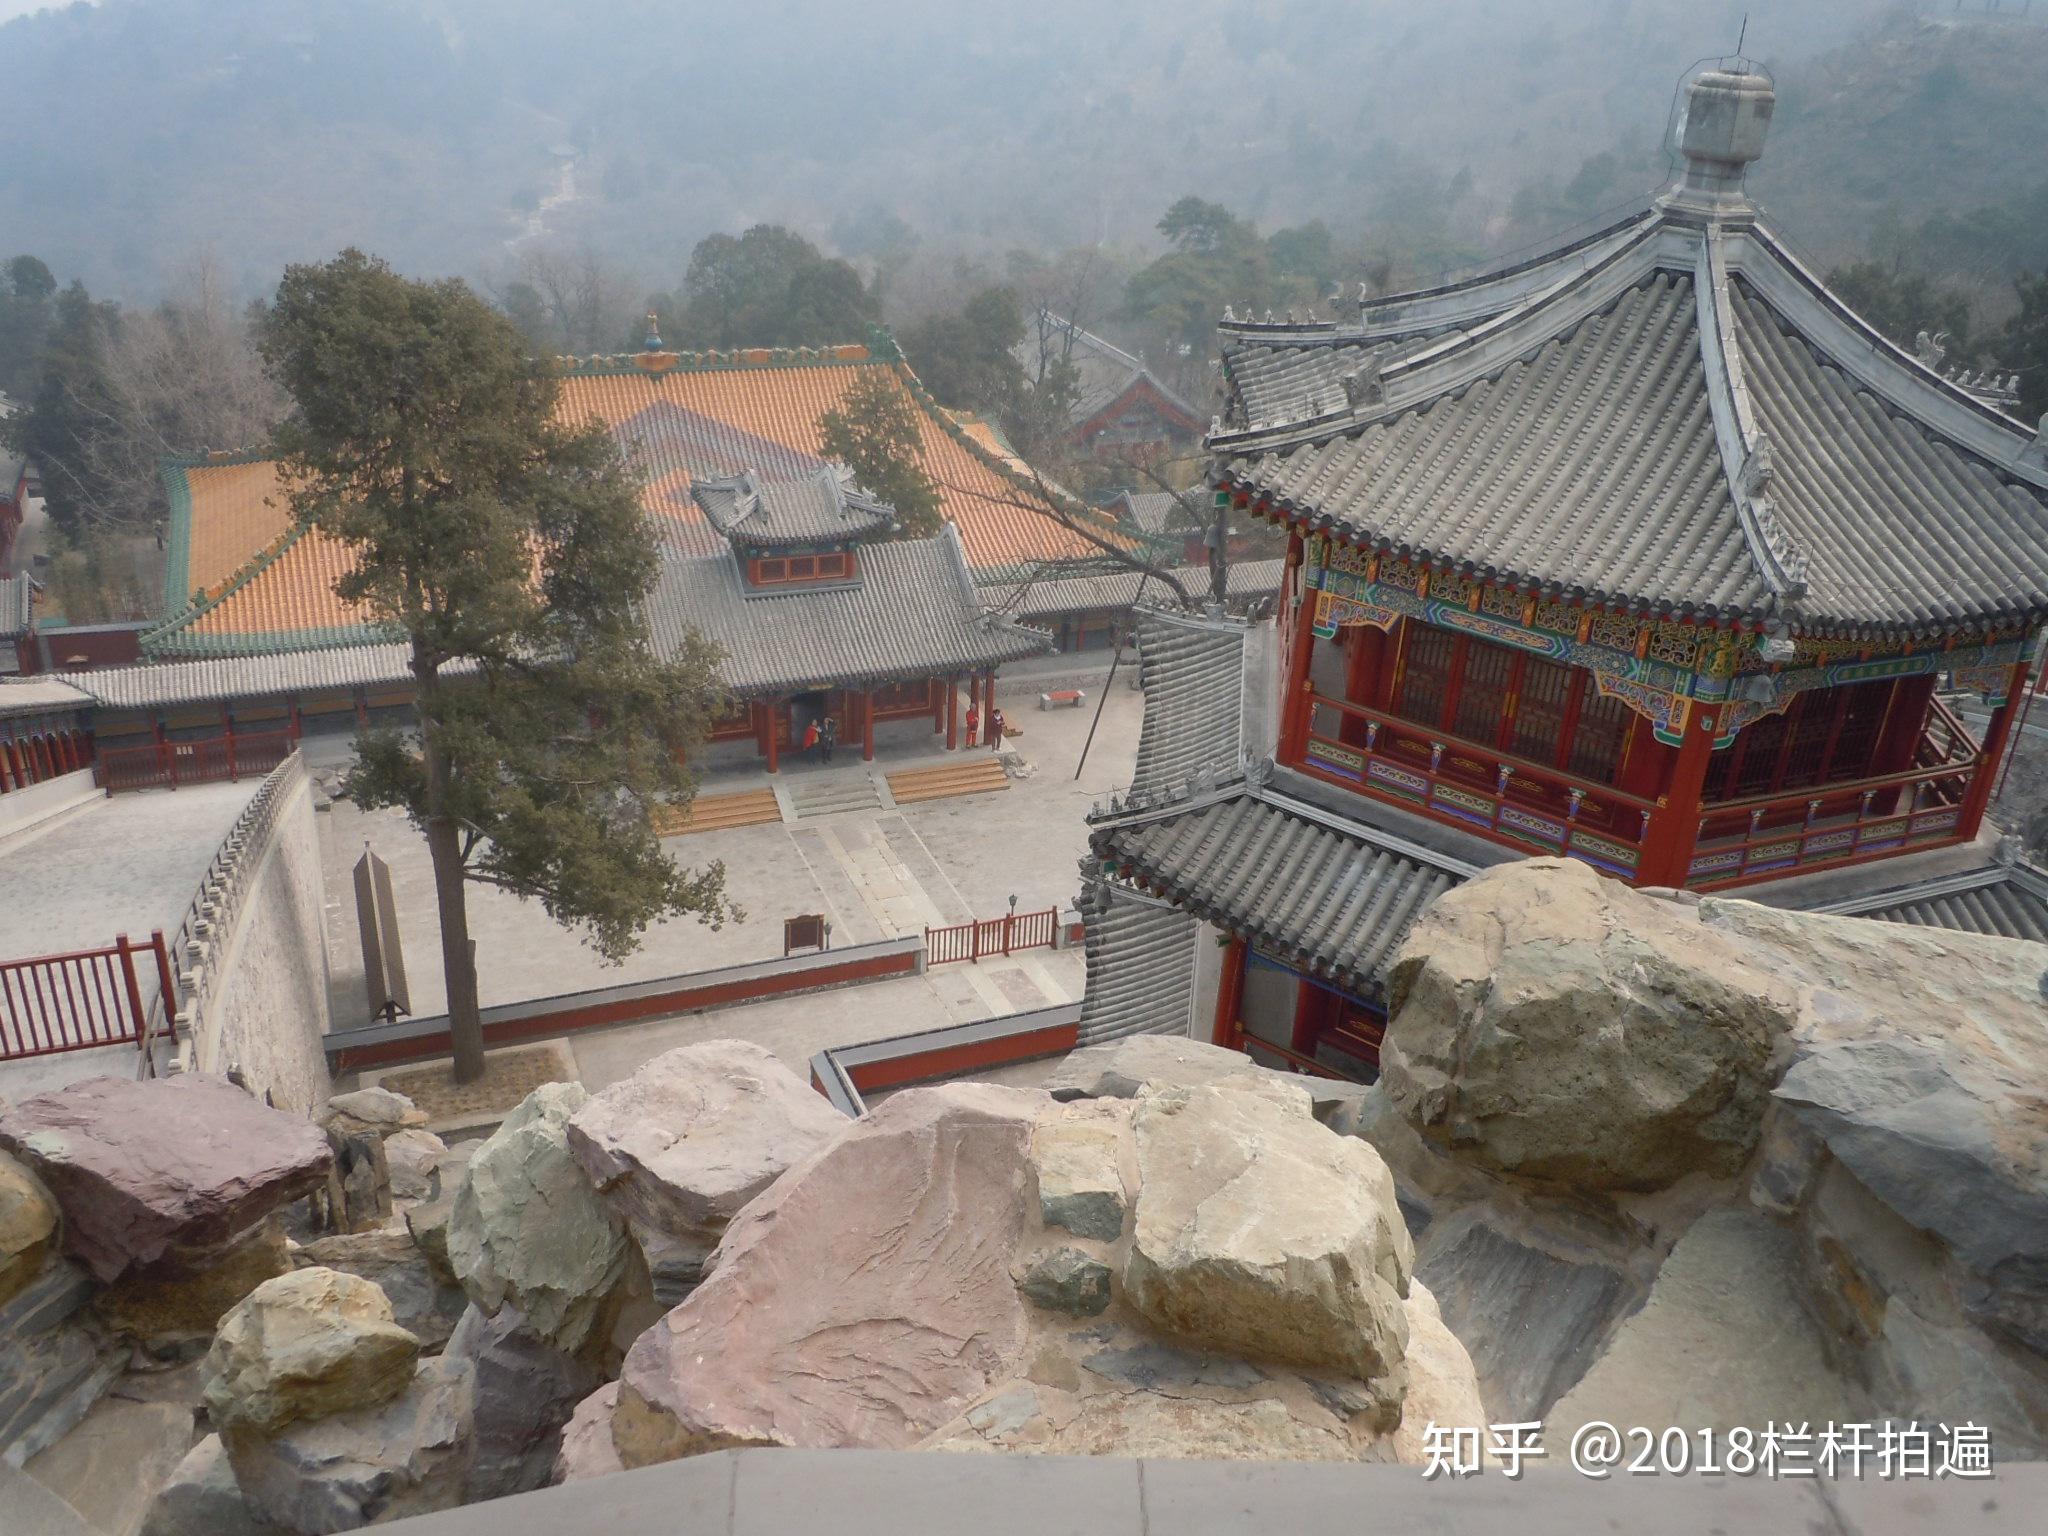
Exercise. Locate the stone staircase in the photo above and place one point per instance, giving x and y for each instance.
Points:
(831, 794)
(714, 813)
(975, 774)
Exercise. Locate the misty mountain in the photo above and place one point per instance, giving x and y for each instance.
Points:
(441, 133)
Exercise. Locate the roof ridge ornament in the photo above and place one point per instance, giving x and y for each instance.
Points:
(1725, 116)
(1365, 386)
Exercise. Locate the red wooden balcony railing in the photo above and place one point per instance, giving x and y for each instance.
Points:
(87, 998)
(167, 764)
(1510, 798)
(1919, 807)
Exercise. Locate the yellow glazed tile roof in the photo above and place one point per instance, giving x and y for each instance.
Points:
(262, 584)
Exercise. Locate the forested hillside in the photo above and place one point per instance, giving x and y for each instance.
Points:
(443, 133)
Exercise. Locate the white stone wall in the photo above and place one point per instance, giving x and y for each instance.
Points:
(262, 1007)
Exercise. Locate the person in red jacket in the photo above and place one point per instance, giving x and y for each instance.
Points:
(973, 722)
(811, 741)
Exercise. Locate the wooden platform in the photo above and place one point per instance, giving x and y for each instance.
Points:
(977, 773)
(713, 813)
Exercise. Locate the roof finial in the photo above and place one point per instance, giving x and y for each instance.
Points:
(653, 343)
(1727, 114)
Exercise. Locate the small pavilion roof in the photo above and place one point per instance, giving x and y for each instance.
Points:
(820, 508)
(1104, 372)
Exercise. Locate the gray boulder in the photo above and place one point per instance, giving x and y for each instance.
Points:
(1119, 1069)
(1069, 1281)
(373, 1109)
(693, 1135)
(407, 1456)
(424, 1303)
(1550, 1023)
(528, 1230)
(1080, 1180)
(307, 1344)
(411, 1158)
(202, 1498)
(140, 1166)
(526, 1389)
(1260, 1232)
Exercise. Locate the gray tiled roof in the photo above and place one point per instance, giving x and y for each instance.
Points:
(1330, 896)
(16, 596)
(1193, 674)
(818, 508)
(1049, 596)
(1591, 464)
(913, 612)
(167, 684)
(39, 695)
(1152, 511)
(1141, 966)
(2008, 901)
(1900, 526)
(1675, 416)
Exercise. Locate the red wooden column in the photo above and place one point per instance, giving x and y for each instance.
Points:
(1978, 795)
(1675, 824)
(988, 694)
(1294, 708)
(952, 713)
(1230, 995)
(768, 710)
(867, 725)
(938, 704)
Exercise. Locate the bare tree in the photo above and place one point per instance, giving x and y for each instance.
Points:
(591, 303)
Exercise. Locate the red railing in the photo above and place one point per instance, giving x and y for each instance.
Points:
(992, 936)
(88, 998)
(1921, 806)
(1509, 798)
(167, 764)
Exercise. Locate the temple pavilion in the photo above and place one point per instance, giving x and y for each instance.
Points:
(767, 549)
(1646, 551)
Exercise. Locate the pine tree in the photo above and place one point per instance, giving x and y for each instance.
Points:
(879, 432)
(510, 551)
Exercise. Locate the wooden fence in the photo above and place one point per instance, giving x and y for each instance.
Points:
(992, 936)
(167, 764)
(84, 999)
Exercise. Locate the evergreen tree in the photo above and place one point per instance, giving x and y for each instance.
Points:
(2026, 345)
(510, 551)
(878, 431)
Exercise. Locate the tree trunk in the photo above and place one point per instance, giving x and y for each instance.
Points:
(451, 895)
(458, 964)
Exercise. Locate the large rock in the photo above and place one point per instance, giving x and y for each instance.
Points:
(203, 1499)
(526, 1389)
(1080, 1177)
(1121, 1068)
(54, 1364)
(407, 1456)
(1551, 1023)
(181, 1298)
(527, 1228)
(861, 1301)
(587, 1448)
(411, 1158)
(307, 1344)
(373, 1109)
(692, 1136)
(1919, 1065)
(423, 1302)
(28, 1217)
(900, 1289)
(1261, 1232)
(140, 1166)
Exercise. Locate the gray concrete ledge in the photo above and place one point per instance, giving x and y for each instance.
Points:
(907, 1493)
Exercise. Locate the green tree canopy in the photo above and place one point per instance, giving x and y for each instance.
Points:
(511, 552)
(969, 360)
(770, 287)
(879, 432)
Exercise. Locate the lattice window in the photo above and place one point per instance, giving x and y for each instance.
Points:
(1540, 705)
(1425, 678)
(1597, 744)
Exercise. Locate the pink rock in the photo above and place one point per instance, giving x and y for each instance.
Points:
(587, 1449)
(138, 1167)
(864, 1300)
(697, 1132)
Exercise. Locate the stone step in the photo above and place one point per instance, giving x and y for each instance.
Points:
(833, 796)
(972, 776)
(711, 813)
